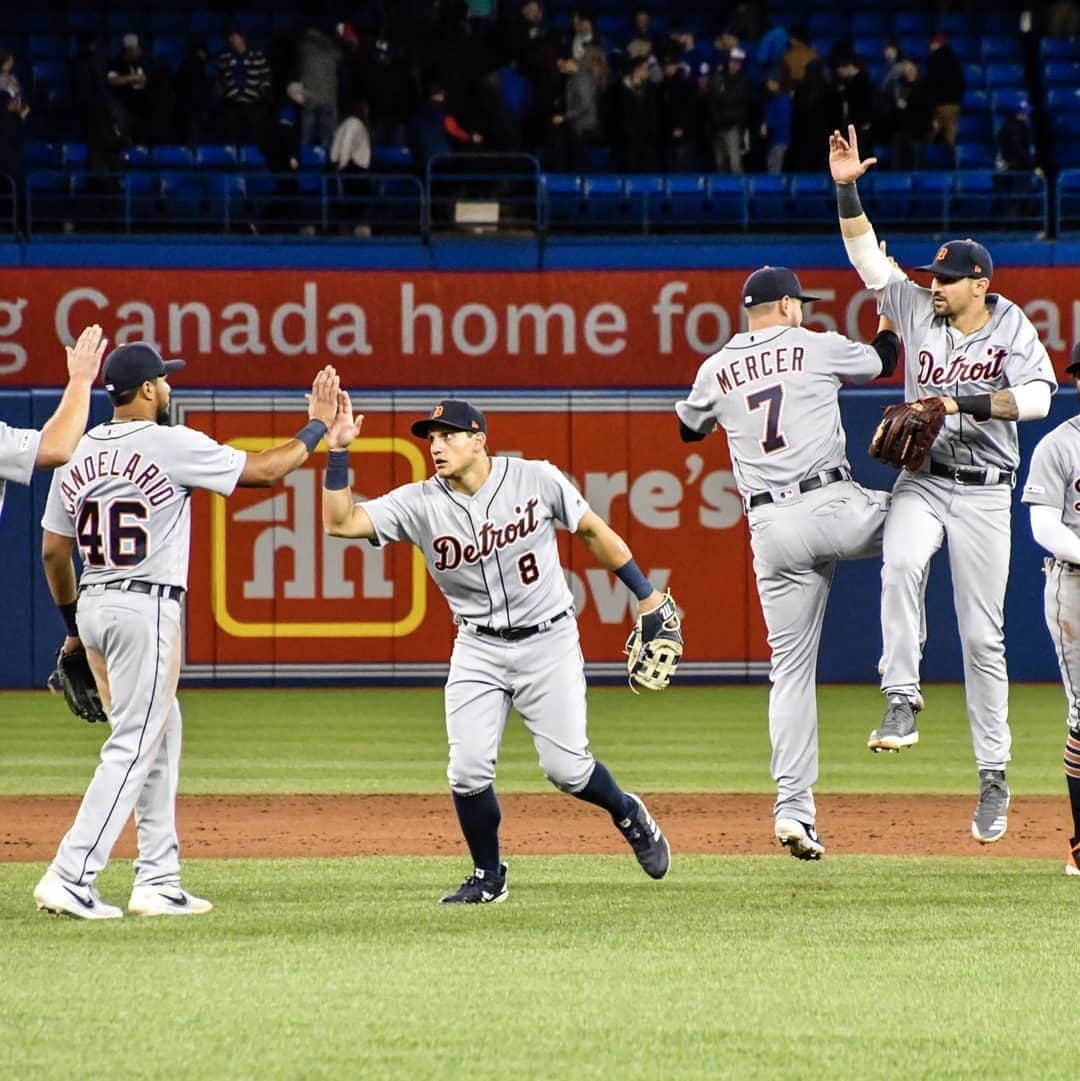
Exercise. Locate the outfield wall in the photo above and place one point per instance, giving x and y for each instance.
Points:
(579, 363)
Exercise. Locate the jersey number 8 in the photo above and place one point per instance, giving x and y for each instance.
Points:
(126, 542)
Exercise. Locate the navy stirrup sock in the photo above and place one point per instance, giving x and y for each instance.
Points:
(604, 792)
(479, 816)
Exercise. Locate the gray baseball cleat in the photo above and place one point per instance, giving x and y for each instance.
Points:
(991, 819)
(897, 728)
(53, 894)
(644, 837)
(799, 838)
(480, 888)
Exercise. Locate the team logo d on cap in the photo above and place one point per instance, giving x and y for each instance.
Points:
(961, 259)
(772, 283)
(129, 366)
(451, 413)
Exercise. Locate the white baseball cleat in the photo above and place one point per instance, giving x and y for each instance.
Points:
(53, 894)
(799, 838)
(166, 901)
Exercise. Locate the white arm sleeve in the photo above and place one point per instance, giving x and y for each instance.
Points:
(870, 261)
(1051, 533)
(1032, 400)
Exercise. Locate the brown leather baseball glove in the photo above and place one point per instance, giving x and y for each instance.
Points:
(906, 433)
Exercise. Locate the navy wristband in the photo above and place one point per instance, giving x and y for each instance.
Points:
(67, 612)
(311, 433)
(976, 405)
(630, 575)
(336, 476)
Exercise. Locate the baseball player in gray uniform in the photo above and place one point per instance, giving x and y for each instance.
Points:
(1052, 494)
(125, 501)
(486, 527)
(773, 388)
(978, 353)
(22, 450)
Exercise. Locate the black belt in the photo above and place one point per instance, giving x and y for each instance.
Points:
(810, 484)
(515, 634)
(137, 585)
(966, 474)
(1065, 565)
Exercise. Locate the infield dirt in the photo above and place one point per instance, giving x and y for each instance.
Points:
(728, 824)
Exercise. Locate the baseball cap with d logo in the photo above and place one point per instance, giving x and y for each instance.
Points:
(451, 413)
(129, 366)
(961, 259)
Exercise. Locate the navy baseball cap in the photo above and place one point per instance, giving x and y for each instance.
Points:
(961, 259)
(1073, 367)
(129, 366)
(451, 413)
(772, 283)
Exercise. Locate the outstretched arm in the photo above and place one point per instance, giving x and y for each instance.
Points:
(612, 553)
(65, 427)
(862, 247)
(341, 516)
(1028, 401)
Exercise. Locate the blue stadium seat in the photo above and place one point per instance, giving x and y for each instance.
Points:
(910, 24)
(974, 76)
(1000, 73)
(183, 195)
(169, 51)
(813, 198)
(952, 23)
(686, 198)
(1059, 49)
(1069, 200)
(827, 24)
(769, 199)
(605, 199)
(1002, 47)
(1063, 98)
(49, 73)
(930, 190)
(915, 46)
(172, 157)
(138, 157)
(873, 23)
(975, 126)
(562, 198)
(937, 156)
(645, 196)
(869, 48)
(44, 156)
(1068, 154)
(1063, 73)
(396, 200)
(966, 48)
(74, 155)
(975, 99)
(889, 197)
(612, 27)
(251, 157)
(1066, 125)
(727, 201)
(390, 157)
(975, 156)
(1008, 101)
(213, 156)
(312, 157)
(47, 46)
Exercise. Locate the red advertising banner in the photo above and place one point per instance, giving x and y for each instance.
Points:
(395, 329)
(270, 593)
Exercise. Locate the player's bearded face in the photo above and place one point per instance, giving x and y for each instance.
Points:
(162, 390)
(952, 296)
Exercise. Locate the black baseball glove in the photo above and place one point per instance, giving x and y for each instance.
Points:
(75, 681)
(654, 648)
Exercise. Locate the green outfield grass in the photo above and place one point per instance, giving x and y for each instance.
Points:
(855, 968)
(685, 740)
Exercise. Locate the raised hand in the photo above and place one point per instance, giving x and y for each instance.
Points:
(322, 401)
(84, 358)
(346, 427)
(844, 161)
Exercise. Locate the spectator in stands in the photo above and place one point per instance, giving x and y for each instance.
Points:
(945, 84)
(243, 86)
(129, 82)
(679, 116)
(192, 95)
(12, 162)
(1063, 19)
(812, 114)
(638, 120)
(9, 81)
(391, 93)
(854, 94)
(319, 57)
(729, 112)
(586, 85)
(433, 130)
(691, 53)
(1015, 145)
(515, 95)
(912, 116)
(280, 144)
(100, 120)
(641, 29)
(796, 57)
(582, 37)
(776, 124)
(771, 48)
(350, 156)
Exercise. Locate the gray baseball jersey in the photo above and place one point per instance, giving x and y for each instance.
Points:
(942, 362)
(1053, 481)
(774, 392)
(125, 498)
(493, 555)
(18, 452)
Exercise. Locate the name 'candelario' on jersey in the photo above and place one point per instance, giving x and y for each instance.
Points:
(759, 366)
(155, 484)
(451, 553)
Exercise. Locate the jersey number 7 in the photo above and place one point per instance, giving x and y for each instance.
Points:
(772, 398)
